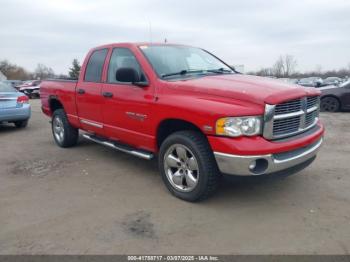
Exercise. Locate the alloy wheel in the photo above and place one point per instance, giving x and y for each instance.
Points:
(181, 168)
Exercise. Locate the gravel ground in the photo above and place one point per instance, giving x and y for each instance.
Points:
(92, 200)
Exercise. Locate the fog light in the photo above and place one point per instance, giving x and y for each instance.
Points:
(252, 165)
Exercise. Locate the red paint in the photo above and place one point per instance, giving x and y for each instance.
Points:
(199, 101)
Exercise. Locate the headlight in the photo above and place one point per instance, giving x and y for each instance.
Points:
(239, 126)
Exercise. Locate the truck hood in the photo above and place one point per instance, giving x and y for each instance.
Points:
(257, 90)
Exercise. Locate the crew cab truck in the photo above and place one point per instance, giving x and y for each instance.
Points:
(188, 108)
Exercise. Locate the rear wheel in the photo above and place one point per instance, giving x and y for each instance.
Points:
(188, 166)
(64, 134)
(330, 104)
(21, 124)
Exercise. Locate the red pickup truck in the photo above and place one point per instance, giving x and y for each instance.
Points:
(190, 109)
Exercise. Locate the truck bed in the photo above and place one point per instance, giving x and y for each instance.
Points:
(63, 88)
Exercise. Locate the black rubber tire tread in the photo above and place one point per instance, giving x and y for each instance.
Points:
(71, 134)
(337, 107)
(209, 173)
(21, 124)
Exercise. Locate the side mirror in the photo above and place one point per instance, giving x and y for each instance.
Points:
(128, 75)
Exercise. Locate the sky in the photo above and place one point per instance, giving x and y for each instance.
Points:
(249, 32)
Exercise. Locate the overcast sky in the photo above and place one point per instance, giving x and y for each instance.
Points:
(253, 33)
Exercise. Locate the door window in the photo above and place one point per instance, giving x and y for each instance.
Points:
(95, 66)
(122, 58)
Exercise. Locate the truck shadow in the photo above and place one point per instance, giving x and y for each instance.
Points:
(232, 188)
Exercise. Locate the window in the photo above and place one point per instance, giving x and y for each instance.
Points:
(6, 88)
(122, 58)
(95, 66)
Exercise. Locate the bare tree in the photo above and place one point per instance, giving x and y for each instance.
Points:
(284, 66)
(12, 71)
(265, 71)
(43, 72)
(290, 64)
(278, 67)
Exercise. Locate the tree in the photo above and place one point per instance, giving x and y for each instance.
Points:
(290, 65)
(43, 72)
(75, 69)
(278, 67)
(12, 71)
(284, 66)
(265, 71)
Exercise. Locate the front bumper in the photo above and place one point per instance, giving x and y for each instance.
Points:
(265, 164)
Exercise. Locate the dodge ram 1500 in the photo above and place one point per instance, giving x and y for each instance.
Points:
(190, 109)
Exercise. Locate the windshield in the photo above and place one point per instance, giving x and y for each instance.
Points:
(6, 88)
(177, 61)
(345, 83)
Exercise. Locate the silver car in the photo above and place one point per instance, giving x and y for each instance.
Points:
(14, 106)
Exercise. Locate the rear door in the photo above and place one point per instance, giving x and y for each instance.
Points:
(88, 93)
(126, 110)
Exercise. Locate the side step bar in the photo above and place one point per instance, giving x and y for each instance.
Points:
(120, 147)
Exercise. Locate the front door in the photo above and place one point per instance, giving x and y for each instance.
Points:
(126, 106)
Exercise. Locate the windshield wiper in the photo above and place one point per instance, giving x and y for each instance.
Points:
(183, 72)
(220, 70)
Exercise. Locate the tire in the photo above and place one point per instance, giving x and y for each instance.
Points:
(199, 177)
(63, 133)
(330, 104)
(21, 124)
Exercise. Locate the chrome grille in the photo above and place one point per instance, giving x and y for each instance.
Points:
(288, 107)
(291, 117)
(312, 101)
(287, 125)
(310, 118)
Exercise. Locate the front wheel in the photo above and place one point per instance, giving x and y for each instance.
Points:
(188, 166)
(64, 134)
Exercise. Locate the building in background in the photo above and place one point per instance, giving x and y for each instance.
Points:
(2, 76)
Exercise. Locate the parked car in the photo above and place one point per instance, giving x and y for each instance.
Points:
(335, 98)
(332, 81)
(31, 88)
(191, 109)
(289, 80)
(14, 106)
(13, 83)
(311, 81)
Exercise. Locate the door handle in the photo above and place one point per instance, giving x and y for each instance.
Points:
(81, 91)
(107, 94)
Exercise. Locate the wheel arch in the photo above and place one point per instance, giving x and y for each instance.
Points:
(55, 103)
(171, 125)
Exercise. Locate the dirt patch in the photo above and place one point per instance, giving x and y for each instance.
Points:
(139, 224)
(36, 167)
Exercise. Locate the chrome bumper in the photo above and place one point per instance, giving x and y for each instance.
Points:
(265, 164)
